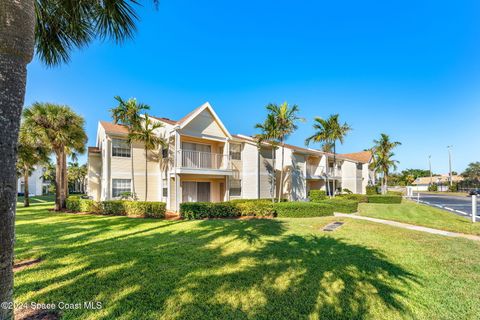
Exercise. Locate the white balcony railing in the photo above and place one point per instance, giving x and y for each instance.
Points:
(319, 171)
(202, 160)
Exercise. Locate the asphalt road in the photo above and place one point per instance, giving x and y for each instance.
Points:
(461, 206)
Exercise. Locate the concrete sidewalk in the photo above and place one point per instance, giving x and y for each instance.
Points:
(410, 226)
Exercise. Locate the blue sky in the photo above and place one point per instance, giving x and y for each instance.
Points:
(408, 68)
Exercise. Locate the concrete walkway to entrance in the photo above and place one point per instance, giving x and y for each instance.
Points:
(410, 226)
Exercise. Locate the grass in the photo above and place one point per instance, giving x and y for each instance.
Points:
(447, 193)
(243, 269)
(421, 215)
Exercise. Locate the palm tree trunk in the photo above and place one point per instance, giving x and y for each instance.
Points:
(334, 168)
(26, 197)
(17, 22)
(64, 179)
(134, 195)
(146, 174)
(272, 191)
(386, 184)
(280, 192)
(58, 181)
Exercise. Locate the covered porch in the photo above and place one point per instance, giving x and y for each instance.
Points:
(197, 188)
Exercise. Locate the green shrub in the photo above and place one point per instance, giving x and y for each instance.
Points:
(356, 197)
(202, 210)
(117, 207)
(303, 209)
(395, 193)
(317, 195)
(113, 207)
(259, 208)
(145, 209)
(87, 205)
(73, 204)
(433, 187)
(347, 191)
(453, 188)
(384, 199)
(342, 205)
(371, 190)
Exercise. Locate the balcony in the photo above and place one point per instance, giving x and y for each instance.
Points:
(188, 161)
(316, 171)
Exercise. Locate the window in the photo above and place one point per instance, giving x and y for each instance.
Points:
(236, 151)
(120, 148)
(165, 188)
(359, 166)
(119, 186)
(235, 187)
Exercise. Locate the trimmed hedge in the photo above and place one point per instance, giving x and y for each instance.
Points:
(317, 195)
(371, 190)
(117, 207)
(342, 205)
(202, 210)
(303, 209)
(356, 197)
(384, 199)
(395, 193)
(234, 208)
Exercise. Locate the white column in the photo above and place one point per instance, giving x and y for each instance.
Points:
(178, 194)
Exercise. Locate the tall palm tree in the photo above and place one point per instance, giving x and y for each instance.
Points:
(32, 151)
(63, 130)
(328, 132)
(76, 176)
(286, 119)
(145, 133)
(52, 29)
(383, 158)
(269, 133)
(128, 113)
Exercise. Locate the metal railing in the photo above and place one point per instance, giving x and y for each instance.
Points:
(316, 170)
(202, 160)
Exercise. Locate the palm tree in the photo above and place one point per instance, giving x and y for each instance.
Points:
(31, 152)
(328, 132)
(128, 113)
(76, 176)
(145, 133)
(286, 118)
(382, 158)
(52, 29)
(269, 133)
(63, 130)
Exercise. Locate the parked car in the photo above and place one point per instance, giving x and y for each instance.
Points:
(474, 192)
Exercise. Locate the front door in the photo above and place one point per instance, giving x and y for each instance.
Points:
(195, 191)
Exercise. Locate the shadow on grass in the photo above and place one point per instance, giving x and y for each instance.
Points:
(225, 269)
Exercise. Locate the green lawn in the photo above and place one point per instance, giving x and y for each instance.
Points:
(244, 269)
(420, 214)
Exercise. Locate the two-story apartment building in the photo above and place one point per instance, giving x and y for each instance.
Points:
(204, 162)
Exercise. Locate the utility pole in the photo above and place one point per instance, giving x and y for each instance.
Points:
(430, 168)
(450, 164)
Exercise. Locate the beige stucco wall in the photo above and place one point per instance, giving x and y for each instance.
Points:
(94, 176)
(204, 124)
(249, 171)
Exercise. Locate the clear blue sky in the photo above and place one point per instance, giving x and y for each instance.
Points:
(408, 68)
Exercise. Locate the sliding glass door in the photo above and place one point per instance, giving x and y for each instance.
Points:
(195, 191)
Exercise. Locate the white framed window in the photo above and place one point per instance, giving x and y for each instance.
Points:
(236, 151)
(120, 148)
(235, 187)
(121, 185)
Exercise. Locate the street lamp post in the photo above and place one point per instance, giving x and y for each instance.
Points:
(430, 168)
(450, 164)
